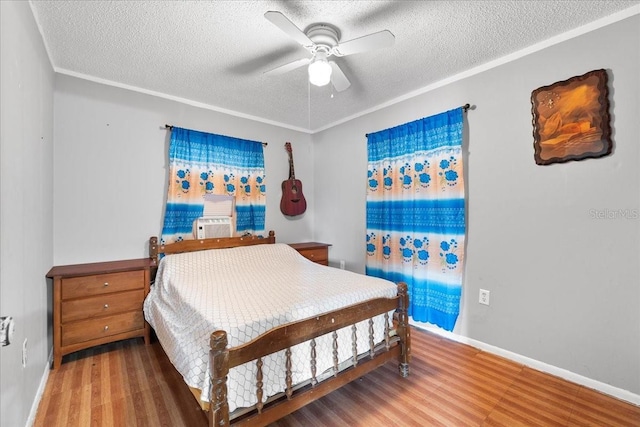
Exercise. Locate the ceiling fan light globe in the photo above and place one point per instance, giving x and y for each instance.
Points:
(320, 72)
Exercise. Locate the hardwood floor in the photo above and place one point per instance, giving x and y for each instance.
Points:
(450, 384)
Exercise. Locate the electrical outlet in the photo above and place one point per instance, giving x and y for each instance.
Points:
(342, 264)
(484, 297)
(24, 353)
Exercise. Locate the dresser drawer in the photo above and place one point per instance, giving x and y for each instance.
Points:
(102, 305)
(319, 255)
(86, 330)
(84, 286)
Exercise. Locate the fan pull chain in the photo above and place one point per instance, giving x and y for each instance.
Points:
(309, 102)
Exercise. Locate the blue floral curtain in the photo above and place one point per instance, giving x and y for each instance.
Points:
(203, 163)
(416, 213)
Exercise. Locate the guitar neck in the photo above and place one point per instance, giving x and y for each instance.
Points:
(292, 173)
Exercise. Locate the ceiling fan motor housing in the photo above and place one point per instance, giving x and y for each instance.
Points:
(324, 36)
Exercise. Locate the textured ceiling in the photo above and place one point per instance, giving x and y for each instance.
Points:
(215, 52)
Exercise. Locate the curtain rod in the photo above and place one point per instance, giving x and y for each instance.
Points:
(170, 127)
(465, 107)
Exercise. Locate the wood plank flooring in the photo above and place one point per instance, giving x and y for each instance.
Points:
(450, 384)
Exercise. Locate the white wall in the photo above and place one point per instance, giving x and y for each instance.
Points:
(110, 169)
(26, 225)
(565, 287)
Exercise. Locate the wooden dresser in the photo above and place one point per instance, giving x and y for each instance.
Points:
(98, 303)
(316, 252)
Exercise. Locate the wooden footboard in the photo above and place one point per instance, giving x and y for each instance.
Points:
(284, 337)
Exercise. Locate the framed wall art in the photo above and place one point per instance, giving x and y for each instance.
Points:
(571, 119)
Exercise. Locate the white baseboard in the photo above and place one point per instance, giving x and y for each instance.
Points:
(535, 364)
(43, 383)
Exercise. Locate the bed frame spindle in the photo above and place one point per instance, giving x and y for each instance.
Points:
(288, 374)
(314, 380)
(387, 344)
(334, 335)
(372, 344)
(259, 384)
(354, 345)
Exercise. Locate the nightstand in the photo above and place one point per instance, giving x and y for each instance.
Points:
(98, 303)
(316, 252)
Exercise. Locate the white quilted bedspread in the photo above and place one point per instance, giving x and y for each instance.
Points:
(247, 291)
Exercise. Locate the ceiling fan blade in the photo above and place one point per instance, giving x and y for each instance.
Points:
(365, 43)
(338, 79)
(288, 67)
(282, 22)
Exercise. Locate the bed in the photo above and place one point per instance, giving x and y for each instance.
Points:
(257, 331)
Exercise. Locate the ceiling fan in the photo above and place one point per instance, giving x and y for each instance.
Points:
(323, 41)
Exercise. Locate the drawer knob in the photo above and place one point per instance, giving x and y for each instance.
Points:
(106, 306)
(106, 328)
(312, 255)
(106, 283)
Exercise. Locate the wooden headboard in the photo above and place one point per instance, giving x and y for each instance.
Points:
(202, 244)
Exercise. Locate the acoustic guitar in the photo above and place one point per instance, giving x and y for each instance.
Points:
(293, 202)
